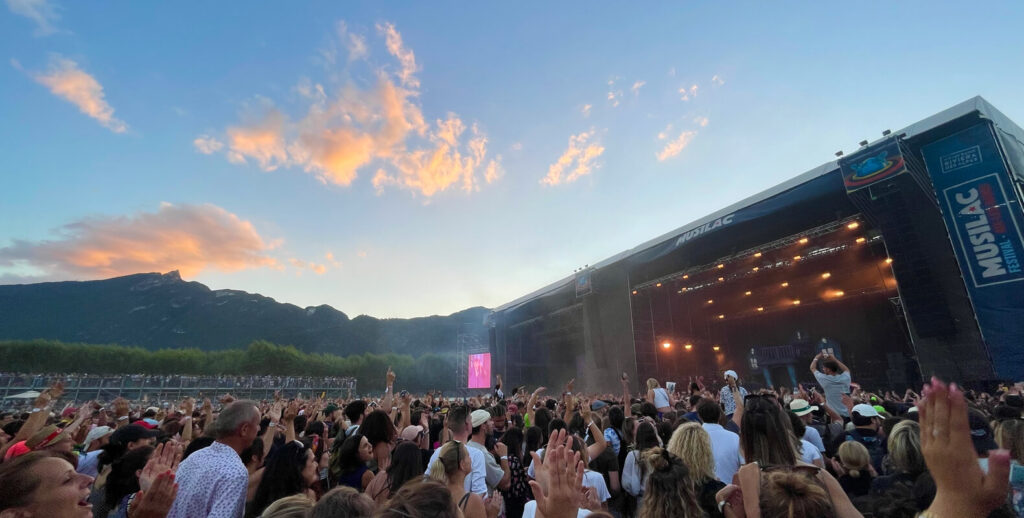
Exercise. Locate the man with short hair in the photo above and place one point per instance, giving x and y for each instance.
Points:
(725, 445)
(354, 412)
(835, 381)
(732, 382)
(460, 424)
(497, 475)
(212, 482)
(134, 436)
(868, 431)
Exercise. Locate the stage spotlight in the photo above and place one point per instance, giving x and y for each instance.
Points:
(720, 317)
(688, 347)
(796, 302)
(720, 279)
(757, 254)
(747, 293)
(796, 257)
(687, 276)
(634, 292)
(760, 308)
(720, 266)
(863, 143)
(826, 275)
(886, 133)
(657, 285)
(710, 301)
(716, 348)
(888, 260)
(839, 153)
(684, 288)
(756, 268)
(853, 225)
(861, 240)
(836, 293)
(803, 240)
(785, 285)
(666, 345)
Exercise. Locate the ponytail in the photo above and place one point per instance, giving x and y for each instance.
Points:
(437, 471)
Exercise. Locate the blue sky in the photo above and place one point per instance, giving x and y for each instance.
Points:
(243, 142)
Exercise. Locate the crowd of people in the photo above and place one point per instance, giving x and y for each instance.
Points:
(155, 381)
(708, 449)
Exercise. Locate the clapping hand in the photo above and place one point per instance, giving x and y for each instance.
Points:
(962, 488)
(156, 501)
(493, 505)
(163, 460)
(559, 479)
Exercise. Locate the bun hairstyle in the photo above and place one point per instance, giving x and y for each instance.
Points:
(670, 490)
(790, 493)
(854, 457)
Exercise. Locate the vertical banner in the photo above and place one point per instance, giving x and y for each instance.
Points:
(479, 371)
(983, 216)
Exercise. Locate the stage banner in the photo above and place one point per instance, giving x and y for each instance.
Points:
(872, 164)
(983, 216)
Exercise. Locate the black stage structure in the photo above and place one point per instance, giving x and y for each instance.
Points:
(900, 258)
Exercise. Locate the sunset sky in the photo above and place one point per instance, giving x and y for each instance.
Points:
(408, 159)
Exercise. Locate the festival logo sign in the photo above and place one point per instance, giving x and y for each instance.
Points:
(986, 230)
(875, 163)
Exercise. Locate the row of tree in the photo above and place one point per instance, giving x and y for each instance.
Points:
(427, 372)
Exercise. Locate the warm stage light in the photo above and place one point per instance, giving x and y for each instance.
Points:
(711, 301)
(888, 260)
(785, 285)
(634, 292)
(835, 293)
(657, 285)
(826, 275)
(796, 302)
(760, 309)
(861, 239)
(803, 241)
(688, 347)
(686, 276)
(716, 348)
(721, 317)
(721, 266)
(796, 257)
(756, 268)
(853, 225)
(747, 293)
(757, 254)
(666, 345)
(720, 279)
(684, 288)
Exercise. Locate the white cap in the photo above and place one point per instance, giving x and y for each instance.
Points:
(97, 433)
(731, 373)
(865, 410)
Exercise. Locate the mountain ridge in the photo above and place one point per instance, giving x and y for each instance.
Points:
(162, 310)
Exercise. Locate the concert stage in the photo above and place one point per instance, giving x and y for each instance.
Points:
(900, 258)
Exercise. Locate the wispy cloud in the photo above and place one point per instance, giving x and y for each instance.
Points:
(637, 86)
(585, 110)
(356, 127)
(189, 238)
(717, 80)
(301, 266)
(701, 121)
(355, 43)
(69, 82)
(207, 145)
(687, 94)
(614, 94)
(675, 145)
(578, 160)
(39, 11)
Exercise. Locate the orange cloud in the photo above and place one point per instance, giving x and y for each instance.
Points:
(189, 238)
(353, 128)
(67, 81)
(676, 145)
(578, 160)
(637, 86)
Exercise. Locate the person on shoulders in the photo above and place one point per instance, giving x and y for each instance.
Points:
(834, 381)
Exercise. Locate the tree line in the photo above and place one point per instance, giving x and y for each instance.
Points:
(427, 372)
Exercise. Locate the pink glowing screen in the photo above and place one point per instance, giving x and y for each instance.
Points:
(480, 370)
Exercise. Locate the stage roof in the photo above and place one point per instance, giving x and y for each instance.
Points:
(975, 105)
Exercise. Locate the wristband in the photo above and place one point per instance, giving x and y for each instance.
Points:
(36, 409)
(122, 418)
(504, 457)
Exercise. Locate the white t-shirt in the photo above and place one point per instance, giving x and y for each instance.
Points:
(530, 510)
(808, 452)
(596, 480)
(476, 482)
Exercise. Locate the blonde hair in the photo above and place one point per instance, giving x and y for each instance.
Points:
(1009, 435)
(295, 506)
(670, 491)
(905, 448)
(447, 461)
(691, 443)
(854, 457)
(652, 383)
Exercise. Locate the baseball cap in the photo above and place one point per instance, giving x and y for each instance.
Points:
(16, 450)
(131, 433)
(412, 432)
(865, 410)
(480, 417)
(332, 408)
(981, 433)
(731, 373)
(598, 405)
(98, 432)
(801, 407)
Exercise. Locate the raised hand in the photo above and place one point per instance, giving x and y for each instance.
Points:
(962, 488)
(164, 459)
(291, 412)
(188, 406)
(568, 386)
(557, 491)
(390, 377)
(492, 505)
(156, 501)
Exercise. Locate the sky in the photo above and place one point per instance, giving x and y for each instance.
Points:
(409, 159)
